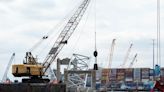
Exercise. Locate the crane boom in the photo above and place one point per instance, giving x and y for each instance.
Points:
(131, 64)
(110, 59)
(65, 34)
(7, 68)
(111, 53)
(127, 55)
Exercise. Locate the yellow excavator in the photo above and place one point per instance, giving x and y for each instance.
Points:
(29, 68)
(34, 70)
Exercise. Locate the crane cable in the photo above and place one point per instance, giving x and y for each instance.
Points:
(51, 32)
(82, 29)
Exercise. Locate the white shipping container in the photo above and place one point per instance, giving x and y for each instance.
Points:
(128, 79)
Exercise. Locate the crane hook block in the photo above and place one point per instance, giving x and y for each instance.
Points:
(95, 53)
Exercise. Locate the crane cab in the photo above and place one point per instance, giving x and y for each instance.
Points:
(20, 70)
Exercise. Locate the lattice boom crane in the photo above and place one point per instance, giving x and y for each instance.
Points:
(36, 71)
(66, 34)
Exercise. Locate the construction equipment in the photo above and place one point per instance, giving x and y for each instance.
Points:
(31, 68)
(4, 79)
(127, 55)
(111, 53)
(51, 74)
(110, 59)
(131, 64)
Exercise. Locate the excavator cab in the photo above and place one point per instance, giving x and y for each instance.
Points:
(30, 68)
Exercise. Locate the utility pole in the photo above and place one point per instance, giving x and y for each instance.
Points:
(153, 60)
(158, 34)
(153, 55)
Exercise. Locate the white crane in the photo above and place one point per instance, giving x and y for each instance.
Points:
(4, 79)
(111, 53)
(131, 64)
(127, 55)
(110, 58)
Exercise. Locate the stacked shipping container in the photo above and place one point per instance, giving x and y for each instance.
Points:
(113, 75)
(105, 74)
(129, 75)
(137, 74)
(162, 74)
(120, 75)
(145, 74)
(151, 74)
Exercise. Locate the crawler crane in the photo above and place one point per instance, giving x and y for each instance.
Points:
(34, 70)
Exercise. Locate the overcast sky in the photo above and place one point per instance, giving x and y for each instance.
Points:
(24, 22)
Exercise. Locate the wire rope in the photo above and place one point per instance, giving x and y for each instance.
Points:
(59, 26)
(82, 29)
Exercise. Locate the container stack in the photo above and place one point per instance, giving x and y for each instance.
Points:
(113, 75)
(145, 74)
(129, 75)
(162, 74)
(151, 74)
(120, 75)
(105, 74)
(137, 74)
